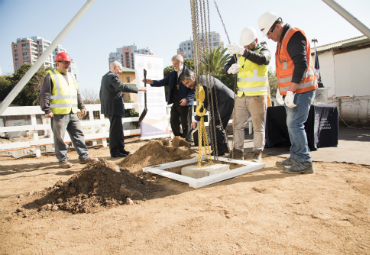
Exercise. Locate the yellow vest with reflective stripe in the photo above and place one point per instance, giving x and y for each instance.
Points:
(252, 78)
(63, 99)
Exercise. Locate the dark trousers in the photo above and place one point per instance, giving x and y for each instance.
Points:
(116, 136)
(225, 110)
(179, 114)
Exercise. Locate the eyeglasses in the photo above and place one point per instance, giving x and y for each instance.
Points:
(272, 29)
(64, 62)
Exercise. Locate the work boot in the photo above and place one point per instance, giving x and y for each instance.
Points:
(65, 164)
(237, 153)
(89, 160)
(299, 168)
(257, 157)
(287, 162)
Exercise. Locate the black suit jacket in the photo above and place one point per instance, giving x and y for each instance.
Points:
(171, 80)
(111, 94)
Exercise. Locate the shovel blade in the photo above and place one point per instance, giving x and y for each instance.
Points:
(142, 116)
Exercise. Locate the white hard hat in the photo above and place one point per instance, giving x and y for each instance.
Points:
(266, 21)
(247, 36)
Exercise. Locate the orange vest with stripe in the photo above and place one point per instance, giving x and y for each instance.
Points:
(285, 66)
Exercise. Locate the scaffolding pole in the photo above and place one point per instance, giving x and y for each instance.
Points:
(349, 17)
(20, 85)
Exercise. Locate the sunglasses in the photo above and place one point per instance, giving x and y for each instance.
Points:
(64, 62)
(272, 29)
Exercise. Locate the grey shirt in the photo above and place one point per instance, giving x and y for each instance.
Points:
(225, 96)
(45, 93)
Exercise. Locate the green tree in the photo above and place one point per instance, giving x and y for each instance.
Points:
(29, 96)
(215, 61)
(5, 86)
(273, 82)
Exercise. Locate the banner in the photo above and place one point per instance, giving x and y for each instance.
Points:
(155, 123)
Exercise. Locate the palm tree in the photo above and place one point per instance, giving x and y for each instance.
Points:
(215, 61)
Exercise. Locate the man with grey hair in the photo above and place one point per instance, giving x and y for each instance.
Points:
(112, 106)
(225, 105)
(179, 96)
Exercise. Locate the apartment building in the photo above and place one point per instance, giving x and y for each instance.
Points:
(28, 49)
(125, 55)
(186, 48)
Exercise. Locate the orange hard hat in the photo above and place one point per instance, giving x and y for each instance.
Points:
(63, 56)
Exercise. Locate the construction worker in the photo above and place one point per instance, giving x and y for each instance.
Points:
(59, 99)
(181, 97)
(251, 63)
(225, 106)
(297, 82)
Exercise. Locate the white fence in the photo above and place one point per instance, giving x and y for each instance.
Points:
(99, 128)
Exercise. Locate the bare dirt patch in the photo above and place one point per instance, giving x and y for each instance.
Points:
(263, 212)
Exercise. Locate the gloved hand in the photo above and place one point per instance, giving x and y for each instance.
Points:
(235, 49)
(279, 98)
(234, 68)
(289, 99)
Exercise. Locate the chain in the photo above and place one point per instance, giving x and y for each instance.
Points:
(235, 82)
(202, 135)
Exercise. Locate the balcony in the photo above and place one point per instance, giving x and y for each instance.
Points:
(25, 49)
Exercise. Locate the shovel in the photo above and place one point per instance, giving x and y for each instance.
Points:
(142, 116)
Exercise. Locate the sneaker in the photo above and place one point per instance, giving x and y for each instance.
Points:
(237, 153)
(89, 160)
(287, 162)
(257, 157)
(65, 164)
(300, 168)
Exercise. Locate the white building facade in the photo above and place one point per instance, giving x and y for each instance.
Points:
(345, 72)
(28, 49)
(186, 48)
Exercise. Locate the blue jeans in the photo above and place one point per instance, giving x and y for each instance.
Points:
(71, 123)
(296, 117)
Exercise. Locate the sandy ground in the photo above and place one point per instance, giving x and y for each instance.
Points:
(264, 212)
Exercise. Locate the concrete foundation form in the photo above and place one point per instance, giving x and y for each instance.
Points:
(247, 167)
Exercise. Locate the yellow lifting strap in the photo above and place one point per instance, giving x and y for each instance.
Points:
(200, 96)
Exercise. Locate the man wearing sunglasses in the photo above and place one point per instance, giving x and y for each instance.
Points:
(59, 99)
(250, 62)
(297, 82)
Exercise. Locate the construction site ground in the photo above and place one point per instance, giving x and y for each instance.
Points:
(263, 212)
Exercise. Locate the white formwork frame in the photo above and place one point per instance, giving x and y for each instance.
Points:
(201, 182)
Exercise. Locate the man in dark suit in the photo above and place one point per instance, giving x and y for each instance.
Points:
(179, 96)
(112, 106)
(225, 105)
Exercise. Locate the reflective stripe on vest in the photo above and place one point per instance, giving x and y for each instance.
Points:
(285, 66)
(63, 99)
(252, 78)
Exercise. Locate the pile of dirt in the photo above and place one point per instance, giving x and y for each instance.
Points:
(102, 184)
(157, 152)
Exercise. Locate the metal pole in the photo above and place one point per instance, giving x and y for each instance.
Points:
(349, 17)
(20, 85)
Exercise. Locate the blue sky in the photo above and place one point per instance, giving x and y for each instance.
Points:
(158, 24)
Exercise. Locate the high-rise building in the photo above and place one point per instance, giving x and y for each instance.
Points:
(27, 50)
(186, 48)
(125, 55)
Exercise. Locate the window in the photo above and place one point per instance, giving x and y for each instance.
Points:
(15, 46)
(27, 62)
(128, 79)
(17, 65)
(16, 55)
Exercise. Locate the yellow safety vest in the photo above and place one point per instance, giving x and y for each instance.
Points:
(63, 99)
(252, 78)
